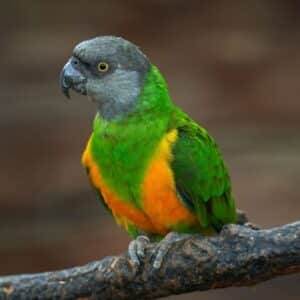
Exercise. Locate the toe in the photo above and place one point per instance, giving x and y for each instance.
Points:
(132, 251)
(136, 249)
(161, 250)
(158, 261)
(141, 243)
(164, 246)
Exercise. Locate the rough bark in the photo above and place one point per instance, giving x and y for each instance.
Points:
(238, 256)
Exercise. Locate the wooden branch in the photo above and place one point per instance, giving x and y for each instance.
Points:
(238, 256)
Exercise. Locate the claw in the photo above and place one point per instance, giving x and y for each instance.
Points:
(136, 249)
(163, 247)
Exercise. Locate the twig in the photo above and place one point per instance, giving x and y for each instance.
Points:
(238, 256)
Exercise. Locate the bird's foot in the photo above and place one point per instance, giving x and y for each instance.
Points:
(163, 247)
(136, 249)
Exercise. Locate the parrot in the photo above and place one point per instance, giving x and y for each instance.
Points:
(158, 173)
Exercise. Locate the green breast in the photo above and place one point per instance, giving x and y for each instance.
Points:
(123, 148)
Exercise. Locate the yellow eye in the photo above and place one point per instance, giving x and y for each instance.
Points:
(103, 66)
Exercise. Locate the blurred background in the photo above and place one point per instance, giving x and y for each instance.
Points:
(234, 66)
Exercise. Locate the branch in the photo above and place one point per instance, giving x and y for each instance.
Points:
(238, 256)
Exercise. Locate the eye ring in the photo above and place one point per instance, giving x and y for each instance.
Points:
(102, 67)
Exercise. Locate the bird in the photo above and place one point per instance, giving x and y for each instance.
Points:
(158, 173)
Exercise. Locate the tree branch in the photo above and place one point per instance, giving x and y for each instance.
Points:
(238, 256)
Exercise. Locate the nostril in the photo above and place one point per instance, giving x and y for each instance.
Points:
(72, 75)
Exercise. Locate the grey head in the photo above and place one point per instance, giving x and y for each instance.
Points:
(110, 71)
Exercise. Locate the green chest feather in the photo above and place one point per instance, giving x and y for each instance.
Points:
(122, 152)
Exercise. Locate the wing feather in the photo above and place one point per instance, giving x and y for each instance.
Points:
(201, 177)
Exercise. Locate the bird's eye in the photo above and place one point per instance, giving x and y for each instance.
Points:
(75, 61)
(103, 67)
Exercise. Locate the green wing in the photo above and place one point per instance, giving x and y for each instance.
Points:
(202, 180)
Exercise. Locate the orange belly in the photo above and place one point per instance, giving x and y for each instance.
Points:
(161, 210)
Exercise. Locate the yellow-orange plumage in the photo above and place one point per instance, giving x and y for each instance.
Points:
(160, 201)
(161, 209)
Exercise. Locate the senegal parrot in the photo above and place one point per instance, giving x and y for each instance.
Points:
(156, 171)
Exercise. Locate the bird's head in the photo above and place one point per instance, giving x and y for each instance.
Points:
(110, 71)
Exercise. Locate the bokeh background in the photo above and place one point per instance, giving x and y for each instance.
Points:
(234, 66)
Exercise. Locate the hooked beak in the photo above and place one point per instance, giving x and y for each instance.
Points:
(71, 78)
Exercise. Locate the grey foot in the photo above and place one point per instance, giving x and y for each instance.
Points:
(163, 247)
(136, 249)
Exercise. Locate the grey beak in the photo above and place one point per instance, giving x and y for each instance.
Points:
(70, 78)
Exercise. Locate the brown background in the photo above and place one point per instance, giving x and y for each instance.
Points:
(234, 66)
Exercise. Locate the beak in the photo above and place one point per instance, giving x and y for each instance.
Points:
(71, 78)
